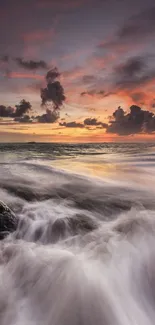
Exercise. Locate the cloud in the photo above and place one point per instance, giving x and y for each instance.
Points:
(19, 111)
(72, 124)
(134, 72)
(22, 108)
(31, 64)
(48, 117)
(128, 79)
(94, 122)
(7, 63)
(93, 93)
(23, 119)
(138, 26)
(136, 121)
(52, 75)
(131, 67)
(88, 122)
(6, 111)
(131, 37)
(74, 74)
(54, 92)
(18, 75)
(19, 114)
(98, 94)
(133, 32)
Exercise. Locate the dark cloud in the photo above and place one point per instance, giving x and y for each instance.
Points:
(94, 122)
(138, 26)
(136, 121)
(54, 92)
(19, 111)
(72, 124)
(22, 108)
(31, 64)
(19, 114)
(93, 93)
(133, 73)
(6, 111)
(88, 122)
(48, 117)
(131, 67)
(52, 75)
(97, 93)
(135, 29)
(24, 119)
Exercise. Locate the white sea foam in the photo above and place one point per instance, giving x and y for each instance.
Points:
(84, 250)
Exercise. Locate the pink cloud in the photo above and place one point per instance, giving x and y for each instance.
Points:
(17, 75)
(38, 35)
(73, 74)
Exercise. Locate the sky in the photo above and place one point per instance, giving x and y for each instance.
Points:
(104, 55)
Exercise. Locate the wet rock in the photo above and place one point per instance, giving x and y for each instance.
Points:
(8, 221)
(82, 224)
(72, 226)
(59, 229)
(38, 233)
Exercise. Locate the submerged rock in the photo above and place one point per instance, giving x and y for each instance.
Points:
(72, 226)
(8, 220)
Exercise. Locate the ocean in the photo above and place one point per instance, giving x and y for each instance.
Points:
(84, 249)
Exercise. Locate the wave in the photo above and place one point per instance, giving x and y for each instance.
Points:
(83, 252)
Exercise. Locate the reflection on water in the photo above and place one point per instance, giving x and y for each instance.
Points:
(114, 167)
(131, 162)
(92, 166)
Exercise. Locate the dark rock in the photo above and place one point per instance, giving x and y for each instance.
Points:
(38, 233)
(58, 231)
(72, 226)
(8, 221)
(81, 224)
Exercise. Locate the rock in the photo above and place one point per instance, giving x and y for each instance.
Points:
(8, 221)
(59, 229)
(81, 224)
(72, 226)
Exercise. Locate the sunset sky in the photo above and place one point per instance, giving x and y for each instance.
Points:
(105, 52)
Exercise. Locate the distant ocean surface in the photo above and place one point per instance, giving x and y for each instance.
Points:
(84, 250)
